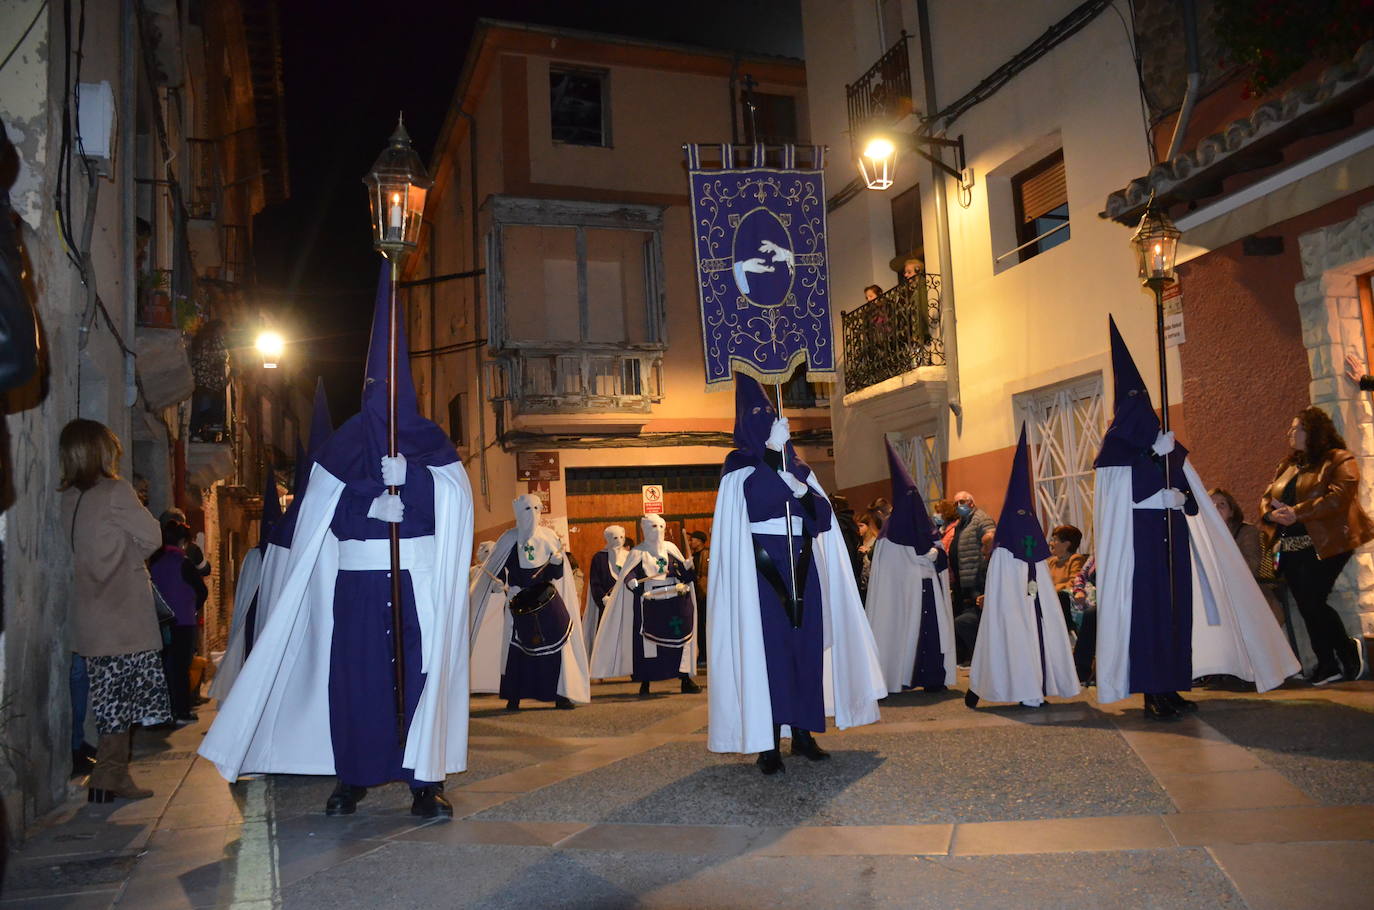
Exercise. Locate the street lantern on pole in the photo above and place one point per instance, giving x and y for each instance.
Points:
(397, 186)
(271, 346)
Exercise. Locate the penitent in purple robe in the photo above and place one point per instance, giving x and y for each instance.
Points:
(534, 675)
(667, 663)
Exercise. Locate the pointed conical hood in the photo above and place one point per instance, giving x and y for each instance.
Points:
(354, 452)
(321, 424)
(1018, 528)
(908, 525)
(271, 508)
(1135, 425)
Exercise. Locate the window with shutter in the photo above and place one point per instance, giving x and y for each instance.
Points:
(1040, 197)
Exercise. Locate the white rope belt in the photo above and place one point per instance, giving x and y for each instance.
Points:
(375, 555)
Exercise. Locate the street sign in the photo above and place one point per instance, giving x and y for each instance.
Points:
(653, 498)
(1173, 315)
(537, 466)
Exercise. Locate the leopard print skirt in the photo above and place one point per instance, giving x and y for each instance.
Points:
(128, 689)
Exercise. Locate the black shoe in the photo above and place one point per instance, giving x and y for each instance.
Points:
(770, 762)
(82, 763)
(562, 703)
(1326, 673)
(689, 686)
(344, 800)
(1351, 654)
(805, 745)
(512, 704)
(644, 689)
(971, 698)
(1179, 703)
(1157, 707)
(935, 690)
(429, 802)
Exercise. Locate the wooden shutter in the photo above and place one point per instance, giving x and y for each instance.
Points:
(1040, 188)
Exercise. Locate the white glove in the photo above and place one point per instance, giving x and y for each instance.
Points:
(632, 584)
(388, 508)
(394, 470)
(683, 588)
(798, 488)
(606, 602)
(934, 554)
(512, 590)
(1164, 444)
(1172, 498)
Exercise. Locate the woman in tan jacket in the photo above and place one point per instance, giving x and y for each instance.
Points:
(1312, 518)
(114, 621)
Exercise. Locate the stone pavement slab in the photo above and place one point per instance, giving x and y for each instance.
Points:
(1282, 876)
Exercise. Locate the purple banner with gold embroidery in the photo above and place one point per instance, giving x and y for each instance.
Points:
(761, 268)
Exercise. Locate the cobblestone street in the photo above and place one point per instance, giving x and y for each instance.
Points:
(1260, 802)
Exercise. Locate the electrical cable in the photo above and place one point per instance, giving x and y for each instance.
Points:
(1134, 49)
(22, 38)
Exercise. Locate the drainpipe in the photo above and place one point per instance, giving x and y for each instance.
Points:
(128, 116)
(1185, 112)
(483, 483)
(948, 322)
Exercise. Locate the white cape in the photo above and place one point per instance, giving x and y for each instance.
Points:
(1243, 640)
(1006, 658)
(613, 652)
(591, 619)
(741, 713)
(491, 628)
(276, 718)
(895, 593)
(245, 589)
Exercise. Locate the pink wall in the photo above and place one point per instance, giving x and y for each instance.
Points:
(1245, 371)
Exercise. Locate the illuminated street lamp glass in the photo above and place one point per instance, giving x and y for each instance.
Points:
(877, 162)
(1156, 246)
(271, 346)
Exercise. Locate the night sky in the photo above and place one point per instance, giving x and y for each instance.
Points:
(349, 68)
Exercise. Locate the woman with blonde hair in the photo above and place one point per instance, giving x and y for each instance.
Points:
(114, 621)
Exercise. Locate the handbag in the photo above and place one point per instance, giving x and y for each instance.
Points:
(1268, 568)
(165, 614)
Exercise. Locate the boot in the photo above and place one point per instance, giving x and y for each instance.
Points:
(805, 745)
(563, 703)
(83, 760)
(344, 799)
(971, 698)
(1179, 703)
(1157, 707)
(644, 689)
(512, 704)
(689, 685)
(111, 778)
(770, 761)
(429, 802)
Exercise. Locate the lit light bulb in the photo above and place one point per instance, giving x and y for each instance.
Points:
(271, 346)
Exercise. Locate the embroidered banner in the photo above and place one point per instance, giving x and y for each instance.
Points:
(761, 268)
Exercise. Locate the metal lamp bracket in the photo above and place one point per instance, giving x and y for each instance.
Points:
(957, 144)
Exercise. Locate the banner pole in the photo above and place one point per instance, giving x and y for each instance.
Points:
(791, 549)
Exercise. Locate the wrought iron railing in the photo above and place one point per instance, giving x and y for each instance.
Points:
(893, 334)
(204, 194)
(560, 380)
(883, 94)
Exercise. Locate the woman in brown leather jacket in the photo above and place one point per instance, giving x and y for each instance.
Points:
(1313, 520)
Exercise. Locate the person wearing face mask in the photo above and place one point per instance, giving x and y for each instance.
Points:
(908, 593)
(788, 640)
(527, 583)
(969, 549)
(601, 579)
(317, 694)
(649, 629)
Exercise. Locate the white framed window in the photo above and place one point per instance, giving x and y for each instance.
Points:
(1064, 425)
(923, 452)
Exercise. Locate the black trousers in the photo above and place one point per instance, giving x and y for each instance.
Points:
(1085, 648)
(176, 664)
(966, 621)
(1310, 581)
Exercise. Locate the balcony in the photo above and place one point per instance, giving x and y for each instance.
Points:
(883, 94)
(563, 381)
(206, 189)
(894, 334)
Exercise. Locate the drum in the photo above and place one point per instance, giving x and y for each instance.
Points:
(668, 621)
(540, 621)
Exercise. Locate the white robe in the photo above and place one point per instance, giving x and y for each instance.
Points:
(276, 718)
(741, 713)
(1244, 640)
(491, 627)
(245, 589)
(613, 652)
(896, 583)
(591, 619)
(1006, 658)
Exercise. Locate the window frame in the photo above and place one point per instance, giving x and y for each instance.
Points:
(1042, 408)
(1031, 245)
(604, 77)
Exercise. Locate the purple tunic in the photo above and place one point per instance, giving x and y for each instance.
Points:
(528, 675)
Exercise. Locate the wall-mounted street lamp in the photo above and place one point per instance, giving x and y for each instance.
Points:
(271, 346)
(880, 150)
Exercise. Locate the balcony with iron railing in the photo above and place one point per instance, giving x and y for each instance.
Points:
(893, 334)
(883, 94)
(583, 380)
